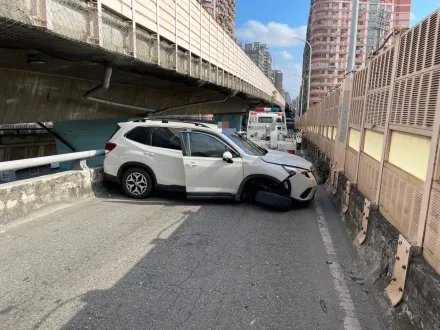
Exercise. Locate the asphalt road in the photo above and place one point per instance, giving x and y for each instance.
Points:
(165, 263)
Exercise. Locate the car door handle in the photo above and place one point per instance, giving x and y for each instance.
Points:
(148, 153)
(192, 164)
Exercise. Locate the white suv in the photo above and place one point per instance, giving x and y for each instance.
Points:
(202, 160)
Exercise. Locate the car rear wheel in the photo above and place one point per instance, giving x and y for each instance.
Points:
(137, 183)
(273, 200)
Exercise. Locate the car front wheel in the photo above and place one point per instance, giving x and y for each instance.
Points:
(137, 183)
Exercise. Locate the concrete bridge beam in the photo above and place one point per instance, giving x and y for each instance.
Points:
(27, 96)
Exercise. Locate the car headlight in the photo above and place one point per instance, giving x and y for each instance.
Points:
(291, 169)
(295, 170)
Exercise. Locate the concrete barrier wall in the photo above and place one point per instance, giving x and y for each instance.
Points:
(33, 197)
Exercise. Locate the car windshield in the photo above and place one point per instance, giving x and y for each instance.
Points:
(246, 145)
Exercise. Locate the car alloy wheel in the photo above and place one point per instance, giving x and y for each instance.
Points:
(136, 183)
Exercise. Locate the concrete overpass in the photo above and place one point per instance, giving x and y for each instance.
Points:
(94, 59)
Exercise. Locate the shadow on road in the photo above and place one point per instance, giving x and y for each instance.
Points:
(223, 267)
(220, 269)
(115, 195)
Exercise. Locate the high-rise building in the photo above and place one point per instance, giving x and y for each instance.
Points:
(278, 80)
(224, 13)
(286, 96)
(329, 33)
(296, 102)
(260, 55)
(267, 67)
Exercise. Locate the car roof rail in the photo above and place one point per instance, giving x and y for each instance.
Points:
(182, 119)
(201, 123)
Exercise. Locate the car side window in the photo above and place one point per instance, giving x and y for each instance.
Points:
(205, 145)
(166, 137)
(140, 134)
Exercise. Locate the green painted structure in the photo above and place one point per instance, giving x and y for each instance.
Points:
(84, 135)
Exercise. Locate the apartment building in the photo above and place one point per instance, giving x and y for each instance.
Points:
(224, 13)
(329, 34)
(278, 80)
(260, 55)
(286, 96)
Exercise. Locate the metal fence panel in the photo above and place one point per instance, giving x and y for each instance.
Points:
(368, 179)
(400, 200)
(350, 164)
(431, 246)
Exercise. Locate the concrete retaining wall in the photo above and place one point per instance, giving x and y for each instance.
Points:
(32, 197)
(420, 307)
(421, 301)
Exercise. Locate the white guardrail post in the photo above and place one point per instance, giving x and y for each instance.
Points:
(79, 159)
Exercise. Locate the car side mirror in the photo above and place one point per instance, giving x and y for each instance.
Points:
(227, 157)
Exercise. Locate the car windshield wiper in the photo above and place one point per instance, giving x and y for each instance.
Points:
(256, 146)
(261, 149)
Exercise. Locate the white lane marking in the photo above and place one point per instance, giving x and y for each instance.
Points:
(351, 321)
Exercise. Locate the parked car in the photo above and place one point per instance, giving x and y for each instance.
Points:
(205, 162)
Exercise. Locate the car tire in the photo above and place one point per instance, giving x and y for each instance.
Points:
(137, 183)
(273, 200)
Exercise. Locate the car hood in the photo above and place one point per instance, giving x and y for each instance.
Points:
(283, 158)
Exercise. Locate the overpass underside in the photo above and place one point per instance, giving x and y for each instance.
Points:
(49, 64)
(54, 92)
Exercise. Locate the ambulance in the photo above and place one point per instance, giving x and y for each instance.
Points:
(267, 128)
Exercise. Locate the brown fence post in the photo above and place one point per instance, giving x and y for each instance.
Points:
(341, 138)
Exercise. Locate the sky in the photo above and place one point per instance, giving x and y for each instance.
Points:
(278, 22)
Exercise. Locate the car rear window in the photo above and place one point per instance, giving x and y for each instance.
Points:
(115, 131)
(166, 137)
(140, 134)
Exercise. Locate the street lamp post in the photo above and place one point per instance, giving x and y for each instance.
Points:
(310, 69)
(353, 38)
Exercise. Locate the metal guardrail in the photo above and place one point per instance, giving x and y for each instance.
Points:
(26, 126)
(79, 157)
